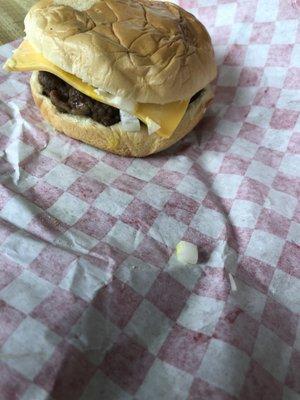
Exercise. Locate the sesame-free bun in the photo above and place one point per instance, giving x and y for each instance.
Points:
(113, 138)
(141, 50)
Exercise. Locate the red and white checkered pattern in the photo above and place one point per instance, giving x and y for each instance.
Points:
(94, 304)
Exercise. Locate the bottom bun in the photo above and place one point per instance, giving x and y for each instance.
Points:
(113, 138)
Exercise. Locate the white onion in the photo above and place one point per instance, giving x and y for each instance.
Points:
(232, 283)
(187, 253)
(129, 122)
(129, 107)
(152, 126)
(126, 105)
(118, 101)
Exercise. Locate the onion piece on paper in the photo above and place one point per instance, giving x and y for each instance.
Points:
(232, 283)
(187, 253)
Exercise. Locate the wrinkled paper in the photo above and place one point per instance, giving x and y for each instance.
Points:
(93, 301)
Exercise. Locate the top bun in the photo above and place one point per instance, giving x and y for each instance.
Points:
(141, 50)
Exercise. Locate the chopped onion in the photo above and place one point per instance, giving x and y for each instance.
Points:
(129, 122)
(232, 283)
(152, 126)
(187, 253)
(129, 107)
(118, 101)
(123, 104)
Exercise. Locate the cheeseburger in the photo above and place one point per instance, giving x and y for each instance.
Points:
(127, 76)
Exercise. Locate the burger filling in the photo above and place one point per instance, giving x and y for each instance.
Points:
(69, 100)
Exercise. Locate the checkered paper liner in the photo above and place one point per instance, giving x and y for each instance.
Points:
(94, 304)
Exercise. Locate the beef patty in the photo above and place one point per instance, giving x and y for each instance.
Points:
(69, 100)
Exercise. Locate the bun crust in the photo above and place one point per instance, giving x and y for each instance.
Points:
(114, 139)
(141, 50)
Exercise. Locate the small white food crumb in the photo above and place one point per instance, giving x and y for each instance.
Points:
(232, 283)
(187, 253)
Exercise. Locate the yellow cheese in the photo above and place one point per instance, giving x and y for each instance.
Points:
(167, 116)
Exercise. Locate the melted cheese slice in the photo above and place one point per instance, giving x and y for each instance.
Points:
(167, 116)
